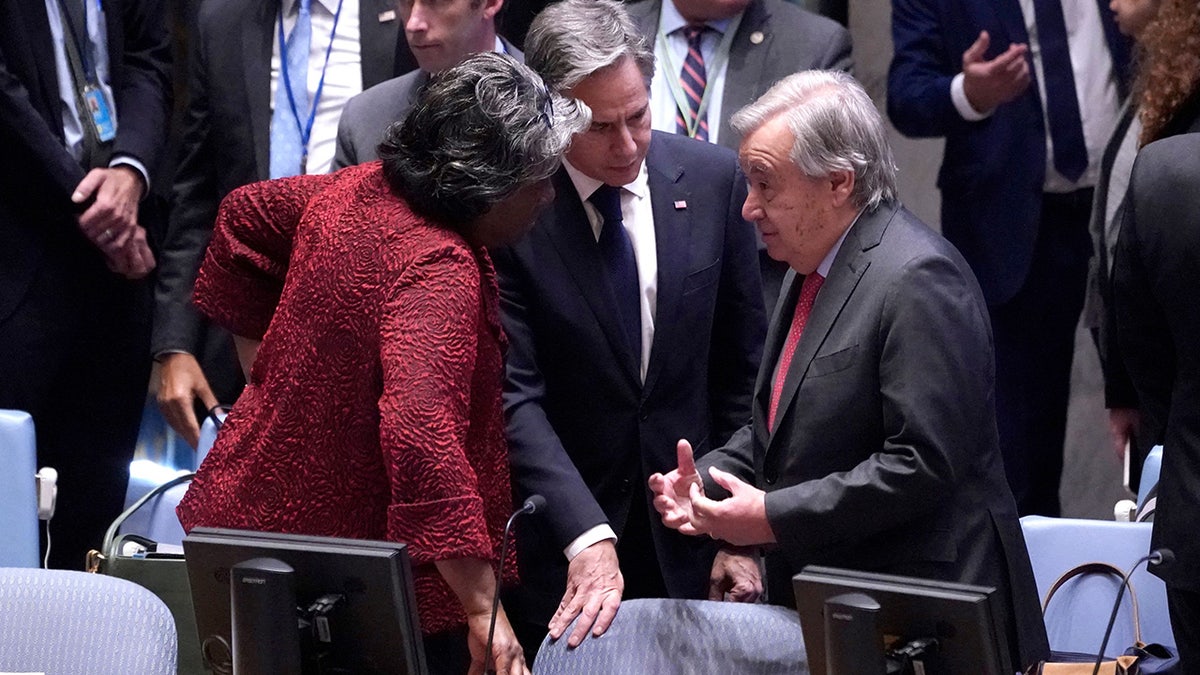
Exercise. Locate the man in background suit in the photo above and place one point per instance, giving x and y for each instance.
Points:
(1015, 207)
(771, 39)
(235, 75)
(873, 442)
(440, 34)
(1155, 284)
(634, 313)
(74, 310)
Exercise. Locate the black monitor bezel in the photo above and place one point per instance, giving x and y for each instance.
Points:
(981, 602)
(201, 548)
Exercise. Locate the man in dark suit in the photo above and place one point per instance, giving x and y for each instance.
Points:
(74, 310)
(227, 144)
(1155, 284)
(439, 35)
(771, 39)
(873, 442)
(1018, 210)
(629, 321)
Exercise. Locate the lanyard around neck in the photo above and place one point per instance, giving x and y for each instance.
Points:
(305, 128)
(720, 57)
(82, 44)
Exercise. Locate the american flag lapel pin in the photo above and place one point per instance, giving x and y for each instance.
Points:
(680, 204)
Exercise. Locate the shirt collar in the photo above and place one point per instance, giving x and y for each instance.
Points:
(670, 20)
(827, 262)
(290, 7)
(585, 185)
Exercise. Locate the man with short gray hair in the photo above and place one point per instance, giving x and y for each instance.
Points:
(873, 441)
(634, 315)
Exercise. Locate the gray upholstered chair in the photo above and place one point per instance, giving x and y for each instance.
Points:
(661, 637)
(76, 623)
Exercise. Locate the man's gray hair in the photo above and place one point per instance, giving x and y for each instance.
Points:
(836, 127)
(478, 132)
(572, 39)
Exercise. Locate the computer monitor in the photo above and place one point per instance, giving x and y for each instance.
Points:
(851, 619)
(356, 596)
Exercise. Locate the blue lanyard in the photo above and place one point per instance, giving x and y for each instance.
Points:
(305, 129)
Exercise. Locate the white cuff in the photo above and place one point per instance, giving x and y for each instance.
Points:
(596, 534)
(959, 96)
(136, 166)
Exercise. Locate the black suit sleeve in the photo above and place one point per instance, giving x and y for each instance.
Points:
(540, 463)
(177, 324)
(142, 82)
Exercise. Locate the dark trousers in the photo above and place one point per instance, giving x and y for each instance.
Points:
(1184, 607)
(74, 354)
(1034, 336)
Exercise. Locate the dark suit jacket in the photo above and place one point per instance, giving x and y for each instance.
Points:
(227, 140)
(369, 114)
(993, 170)
(885, 456)
(583, 430)
(789, 39)
(1155, 284)
(38, 175)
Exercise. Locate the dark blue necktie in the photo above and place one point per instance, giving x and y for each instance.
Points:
(1062, 104)
(616, 251)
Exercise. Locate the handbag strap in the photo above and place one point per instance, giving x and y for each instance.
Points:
(111, 534)
(1099, 568)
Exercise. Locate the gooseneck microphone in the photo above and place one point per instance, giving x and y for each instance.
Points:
(535, 504)
(1157, 557)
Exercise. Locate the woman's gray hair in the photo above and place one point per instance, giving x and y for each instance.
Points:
(836, 128)
(478, 132)
(572, 39)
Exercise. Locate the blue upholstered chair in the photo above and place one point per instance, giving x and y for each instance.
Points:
(660, 637)
(1150, 470)
(18, 495)
(1078, 615)
(76, 623)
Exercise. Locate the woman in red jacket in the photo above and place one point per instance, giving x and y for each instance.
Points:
(373, 407)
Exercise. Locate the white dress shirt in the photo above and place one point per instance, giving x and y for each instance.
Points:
(1095, 86)
(343, 76)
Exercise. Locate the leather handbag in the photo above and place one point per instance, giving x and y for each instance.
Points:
(135, 558)
(1140, 659)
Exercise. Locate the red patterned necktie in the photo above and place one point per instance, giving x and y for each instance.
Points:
(804, 304)
(693, 79)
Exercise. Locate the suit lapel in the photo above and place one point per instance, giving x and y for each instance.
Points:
(672, 235)
(848, 267)
(747, 63)
(1008, 13)
(571, 235)
(257, 38)
(42, 47)
(377, 40)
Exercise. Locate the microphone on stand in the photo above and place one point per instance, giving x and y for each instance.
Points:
(1159, 556)
(535, 504)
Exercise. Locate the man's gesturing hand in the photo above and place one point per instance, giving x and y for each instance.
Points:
(672, 491)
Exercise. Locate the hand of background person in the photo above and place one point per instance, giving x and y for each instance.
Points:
(672, 491)
(735, 576)
(111, 219)
(133, 260)
(1122, 425)
(594, 588)
(507, 657)
(180, 382)
(990, 84)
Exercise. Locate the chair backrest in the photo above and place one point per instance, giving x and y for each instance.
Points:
(76, 623)
(659, 637)
(1150, 470)
(1078, 615)
(18, 493)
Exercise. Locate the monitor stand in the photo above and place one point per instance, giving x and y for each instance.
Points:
(266, 636)
(853, 643)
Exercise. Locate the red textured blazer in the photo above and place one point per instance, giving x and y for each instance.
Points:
(373, 409)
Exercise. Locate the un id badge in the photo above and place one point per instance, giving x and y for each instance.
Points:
(101, 112)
